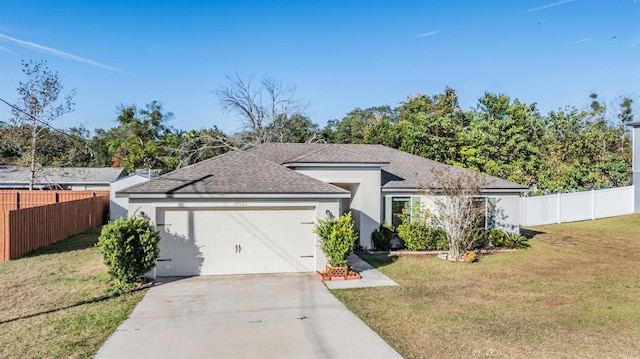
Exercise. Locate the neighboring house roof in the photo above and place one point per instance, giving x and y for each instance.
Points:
(54, 176)
(401, 170)
(132, 176)
(235, 172)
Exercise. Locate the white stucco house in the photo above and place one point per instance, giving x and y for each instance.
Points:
(119, 206)
(254, 211)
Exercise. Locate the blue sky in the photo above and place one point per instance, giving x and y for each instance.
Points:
(340, 54)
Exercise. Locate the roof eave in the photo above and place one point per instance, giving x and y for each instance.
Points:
(336, 164)
(484, 190)
(345, 194)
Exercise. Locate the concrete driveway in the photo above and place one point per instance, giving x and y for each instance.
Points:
(245, 316)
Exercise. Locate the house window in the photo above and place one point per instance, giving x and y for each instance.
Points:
(486, 206)
(399, 205)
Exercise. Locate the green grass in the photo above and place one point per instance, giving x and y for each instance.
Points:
(574, 294)
(53, 303)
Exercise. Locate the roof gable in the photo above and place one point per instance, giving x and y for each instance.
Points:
(336, 154)
(283, 152)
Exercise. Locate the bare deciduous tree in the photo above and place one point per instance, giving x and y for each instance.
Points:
(201, 145)
(454, 193)
(38, 107)
(261, 106)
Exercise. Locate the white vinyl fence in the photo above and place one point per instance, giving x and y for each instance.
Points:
(578, 206)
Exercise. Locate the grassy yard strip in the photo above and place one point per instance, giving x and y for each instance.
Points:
(574, 294)
(53, 303)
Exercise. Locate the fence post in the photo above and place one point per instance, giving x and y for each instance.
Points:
(593, 204)
(558, 207)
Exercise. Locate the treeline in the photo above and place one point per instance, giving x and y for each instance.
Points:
(567, 149)
(563, 150)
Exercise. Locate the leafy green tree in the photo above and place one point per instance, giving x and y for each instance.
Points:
(431, 126)
(352, 128)
(13, 141)
(141, 141)
(503, 139)
(295, 128)
(626, 111)
(383, 132)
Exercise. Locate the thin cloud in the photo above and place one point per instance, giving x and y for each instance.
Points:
(2, 48)
(543, 7)
(58, 53)
(583, 40)
(430, 33)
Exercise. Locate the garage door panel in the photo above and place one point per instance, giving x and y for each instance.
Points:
(179, 252)
(208, 241)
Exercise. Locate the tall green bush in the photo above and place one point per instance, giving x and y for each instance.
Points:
(381, 237)
(337, 238)
(417, 232)
(129, 248)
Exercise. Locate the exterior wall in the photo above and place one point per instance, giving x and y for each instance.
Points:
(90, 187)
(119, 207)
(364, 184)
(635, 134)
(148, 208)
(506, 213)
(636, 189)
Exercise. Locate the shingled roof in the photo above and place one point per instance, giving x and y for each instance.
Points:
(52, 176)
(336, 154)
(400, 170)
(263, 170)
(235, 172)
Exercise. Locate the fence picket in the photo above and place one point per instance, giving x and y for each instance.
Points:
(26, 229)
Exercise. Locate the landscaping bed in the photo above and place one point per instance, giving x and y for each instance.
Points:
(53, 302)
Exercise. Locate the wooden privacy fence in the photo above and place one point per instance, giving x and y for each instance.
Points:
(11, 199)
(24, 230)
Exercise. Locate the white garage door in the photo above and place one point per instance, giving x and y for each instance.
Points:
(235, 241)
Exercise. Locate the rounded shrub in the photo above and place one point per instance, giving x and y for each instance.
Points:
(439, 241)
(415, 235)
(379, 240)
(129, 248)
(497, 237)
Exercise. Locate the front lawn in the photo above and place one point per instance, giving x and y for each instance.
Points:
(574, 294)
(52, 303)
